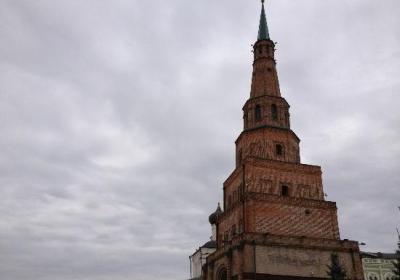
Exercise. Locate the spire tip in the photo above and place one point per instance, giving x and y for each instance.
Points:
(263, 33)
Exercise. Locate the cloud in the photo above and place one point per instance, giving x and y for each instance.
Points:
(118, 123)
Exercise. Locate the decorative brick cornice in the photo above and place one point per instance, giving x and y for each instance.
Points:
(295, 201)
(265, 239)
(276, 199)
(262, 97)
(273, 164)
(267, 127)
(282, 165)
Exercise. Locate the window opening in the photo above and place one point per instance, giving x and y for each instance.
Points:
(285, 191)
(222, 274)
(257, 112)
(279, 150)
(274, 112)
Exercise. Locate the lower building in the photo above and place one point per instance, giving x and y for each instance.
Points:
(198, 259)
(378, 266)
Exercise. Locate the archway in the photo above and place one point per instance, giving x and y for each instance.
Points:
(222, 274)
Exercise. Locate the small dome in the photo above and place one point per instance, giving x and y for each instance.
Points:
(214, 216)
(210, 245)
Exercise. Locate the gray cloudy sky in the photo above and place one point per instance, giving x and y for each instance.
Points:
(118, 120)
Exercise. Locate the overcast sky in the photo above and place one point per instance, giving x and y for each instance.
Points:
(118, 120)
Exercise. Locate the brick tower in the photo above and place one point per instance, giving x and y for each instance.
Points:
(276, 223)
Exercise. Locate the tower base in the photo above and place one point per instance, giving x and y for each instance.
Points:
(271, 257)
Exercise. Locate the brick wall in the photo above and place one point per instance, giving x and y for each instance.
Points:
(288, 216)
(267, 116)
(303, 181)
(261, 143)
(230, 225)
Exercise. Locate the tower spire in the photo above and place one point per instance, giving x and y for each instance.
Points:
(263, 33)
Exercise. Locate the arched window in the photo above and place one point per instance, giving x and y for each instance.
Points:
(284, 190)
(222, 274)
(257, 112)
(274, 112)
(279, 150)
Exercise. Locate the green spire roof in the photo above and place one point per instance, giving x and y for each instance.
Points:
(263, 33)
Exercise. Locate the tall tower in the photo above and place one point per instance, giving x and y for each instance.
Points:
(275, 223)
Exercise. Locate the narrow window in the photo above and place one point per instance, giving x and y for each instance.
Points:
(257, 113)
(222, 274)
(279, 150)
(274, 112)
(284, 190)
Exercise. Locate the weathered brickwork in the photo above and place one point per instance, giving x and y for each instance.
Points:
(265, 77)
(263, 142)
(291, 219)
(304, 262)
(268, 176)
(276, 223)
(279, 257)
(233, 189)
(230, 225)
(266, 110)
